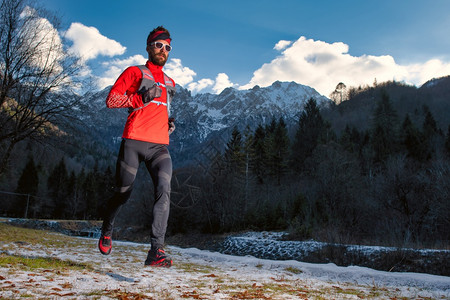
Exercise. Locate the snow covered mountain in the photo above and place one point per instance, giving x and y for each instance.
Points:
(205, 117)
(240, 108)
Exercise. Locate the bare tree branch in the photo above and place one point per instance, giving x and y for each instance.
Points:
(36, 69)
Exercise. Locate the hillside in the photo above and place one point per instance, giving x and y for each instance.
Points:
(406, 99)
(42, 264)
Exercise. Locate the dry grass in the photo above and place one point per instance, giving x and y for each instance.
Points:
(33, 265)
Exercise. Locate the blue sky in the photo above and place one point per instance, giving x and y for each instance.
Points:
(217, 44)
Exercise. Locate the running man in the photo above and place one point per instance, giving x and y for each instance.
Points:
(146, 91)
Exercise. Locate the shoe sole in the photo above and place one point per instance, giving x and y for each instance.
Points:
(162, 264)
(105, 253)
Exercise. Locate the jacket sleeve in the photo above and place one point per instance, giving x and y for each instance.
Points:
(123, 92)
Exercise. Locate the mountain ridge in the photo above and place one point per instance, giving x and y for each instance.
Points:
(200, 116)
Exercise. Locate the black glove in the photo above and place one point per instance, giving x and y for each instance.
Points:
(150, 93)
(171, 125)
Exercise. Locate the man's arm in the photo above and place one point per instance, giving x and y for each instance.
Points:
(116, 100)
(123, 92)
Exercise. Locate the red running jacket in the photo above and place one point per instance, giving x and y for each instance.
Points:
(150, 123)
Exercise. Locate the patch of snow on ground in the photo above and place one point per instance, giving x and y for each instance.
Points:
(203, 275)
(273, 245)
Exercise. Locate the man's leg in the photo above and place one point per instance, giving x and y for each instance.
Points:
(126, 170)
(160, 168)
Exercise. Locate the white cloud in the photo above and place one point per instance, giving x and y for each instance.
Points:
(184, 76)
(322, 66)
(221, 83)
(115, 67)
(89, 43)
(124, 63)
(282, 45)
(433, 68)
(201, 85)
(317, 64)
(205, 85)
(181, 75)
(41, 41)
(314, 63)
(174, 68)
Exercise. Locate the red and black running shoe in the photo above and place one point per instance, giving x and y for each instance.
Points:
(105, 244)
(158, 258)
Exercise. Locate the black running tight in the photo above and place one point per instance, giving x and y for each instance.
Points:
(159, 164)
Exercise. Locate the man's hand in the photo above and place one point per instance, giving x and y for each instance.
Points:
(150, 94)
(171, 125)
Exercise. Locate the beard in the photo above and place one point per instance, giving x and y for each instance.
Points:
(158, 59)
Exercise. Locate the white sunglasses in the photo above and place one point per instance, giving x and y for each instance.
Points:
(159, 45)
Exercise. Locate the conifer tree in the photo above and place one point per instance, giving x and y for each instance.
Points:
(105, 188)
(91, 194)
(229, 194)
(268, 145)
(278, 151)
(430, 131)
(259, 149)
(430, 127)
(72, 201)
(384, 129)
(234, 158)
(249, 159)
(351, 139)
(247, 148)
(311, 130)
(57, 187)
(28, 184)
(270, 128)
(413, 141)
(29, 180)
(447, 142)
